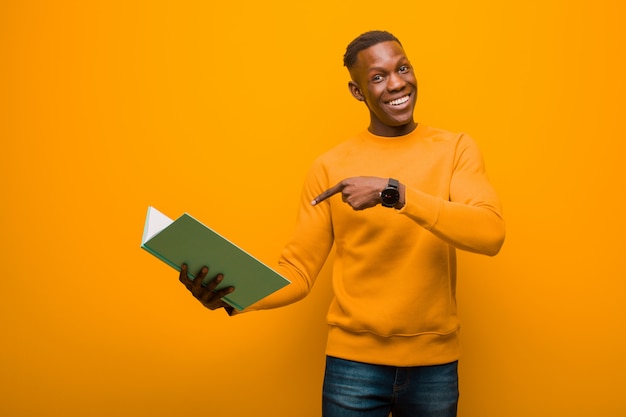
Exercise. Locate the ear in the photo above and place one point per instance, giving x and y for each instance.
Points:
(355, 90)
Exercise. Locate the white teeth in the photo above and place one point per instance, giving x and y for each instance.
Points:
(399, 101)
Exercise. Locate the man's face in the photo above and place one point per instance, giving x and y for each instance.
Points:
(384, 79)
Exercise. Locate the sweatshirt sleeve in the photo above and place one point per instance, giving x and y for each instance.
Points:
(305, 253)
(471, 218)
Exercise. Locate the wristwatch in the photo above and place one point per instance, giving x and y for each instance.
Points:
(390, 196)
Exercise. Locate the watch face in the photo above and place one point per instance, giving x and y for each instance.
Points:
(390, 196)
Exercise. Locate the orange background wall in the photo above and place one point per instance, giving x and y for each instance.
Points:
(218, 109)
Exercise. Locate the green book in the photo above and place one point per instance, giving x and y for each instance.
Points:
(186, 240)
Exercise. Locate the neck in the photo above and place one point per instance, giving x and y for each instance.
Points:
(392, 131)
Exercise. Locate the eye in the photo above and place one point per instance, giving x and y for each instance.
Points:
(377, 78)
(404, 69)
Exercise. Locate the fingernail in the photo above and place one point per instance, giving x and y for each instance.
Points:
(314, 202)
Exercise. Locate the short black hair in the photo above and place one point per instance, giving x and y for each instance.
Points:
(364, 41)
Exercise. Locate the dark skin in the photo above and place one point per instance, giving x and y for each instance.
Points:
(206, 294)
(360, 193)
(383, 79)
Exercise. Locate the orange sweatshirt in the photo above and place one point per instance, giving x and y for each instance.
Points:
(394, 274)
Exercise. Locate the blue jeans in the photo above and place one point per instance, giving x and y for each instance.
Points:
(354, 389)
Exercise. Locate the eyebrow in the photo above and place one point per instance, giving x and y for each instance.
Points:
(381, 69)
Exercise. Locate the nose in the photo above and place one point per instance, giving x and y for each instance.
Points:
(395, 82)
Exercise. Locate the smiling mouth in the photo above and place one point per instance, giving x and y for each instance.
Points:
(399, 101)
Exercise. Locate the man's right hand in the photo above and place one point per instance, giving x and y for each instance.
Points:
(206, 293)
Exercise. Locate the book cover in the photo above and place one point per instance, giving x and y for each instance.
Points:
(186, 240)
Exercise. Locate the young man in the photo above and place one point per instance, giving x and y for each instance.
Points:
(410, 196)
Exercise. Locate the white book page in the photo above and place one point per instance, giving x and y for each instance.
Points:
(155, 222)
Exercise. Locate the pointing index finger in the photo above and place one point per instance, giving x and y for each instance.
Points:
(328, 193)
